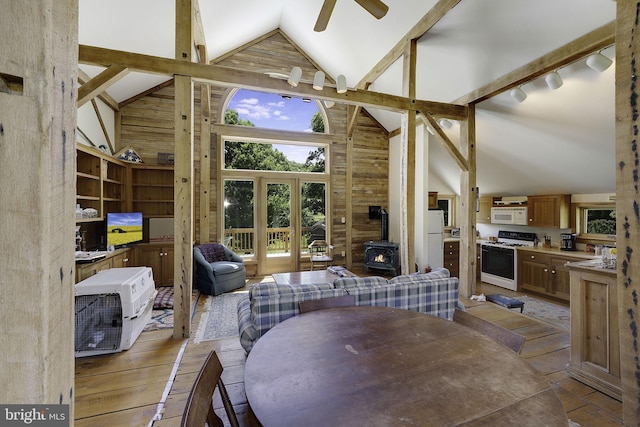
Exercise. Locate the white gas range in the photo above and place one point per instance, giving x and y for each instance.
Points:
(499, 261)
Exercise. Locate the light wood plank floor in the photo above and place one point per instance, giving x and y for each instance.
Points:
(126, 389)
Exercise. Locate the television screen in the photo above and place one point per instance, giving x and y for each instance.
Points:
(123, 228)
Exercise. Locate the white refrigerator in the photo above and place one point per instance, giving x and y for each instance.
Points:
(435, 239)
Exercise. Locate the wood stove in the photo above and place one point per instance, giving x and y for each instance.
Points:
(381, 256)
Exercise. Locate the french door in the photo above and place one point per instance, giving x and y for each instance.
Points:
(278, 228)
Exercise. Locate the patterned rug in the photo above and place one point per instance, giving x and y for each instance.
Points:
(162, 314)
(555, 314)
(220, 317)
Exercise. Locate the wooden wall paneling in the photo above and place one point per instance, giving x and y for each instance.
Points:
(627, 199)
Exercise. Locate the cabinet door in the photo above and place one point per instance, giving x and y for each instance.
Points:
(559, 284)
(533, 272)
(549, 211)
(167, 265)
(151, 256)
(484, 214)
(122, 260)
(84, 271)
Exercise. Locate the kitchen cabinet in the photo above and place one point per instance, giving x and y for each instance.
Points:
(595, 343)
(549, 211)
(544, 273)
(120, 258)
(160, 258)
(483, 216)
(433, 200)
(452, 257)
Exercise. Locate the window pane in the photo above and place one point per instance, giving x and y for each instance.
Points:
(443, 204)
(278, 219)
(239, 222)
(313, 201)
(600, 221)
(273, 157)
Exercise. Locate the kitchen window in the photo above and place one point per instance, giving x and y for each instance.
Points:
(447, 205)
(596, 222)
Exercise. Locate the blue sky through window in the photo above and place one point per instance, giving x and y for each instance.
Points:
(272, 111)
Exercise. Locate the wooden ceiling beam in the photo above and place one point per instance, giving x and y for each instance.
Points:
(100, 83)
(597, 39)
(435, 14)
(228, 77)
(104, 96)
(448, 145)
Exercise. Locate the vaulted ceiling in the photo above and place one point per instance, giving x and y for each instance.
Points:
(474, 44)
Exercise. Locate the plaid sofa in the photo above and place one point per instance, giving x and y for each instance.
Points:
(268, 304)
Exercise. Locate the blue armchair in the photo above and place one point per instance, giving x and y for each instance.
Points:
(218, 269)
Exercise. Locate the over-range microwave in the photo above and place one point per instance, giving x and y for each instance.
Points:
(509, 215)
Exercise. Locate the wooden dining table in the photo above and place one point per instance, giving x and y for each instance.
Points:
(377, 366)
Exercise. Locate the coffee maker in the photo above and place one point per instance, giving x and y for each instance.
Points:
(567, 241)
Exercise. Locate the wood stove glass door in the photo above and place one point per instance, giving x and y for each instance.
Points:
(279, 243)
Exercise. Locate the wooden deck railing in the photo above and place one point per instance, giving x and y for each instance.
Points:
(242, 240)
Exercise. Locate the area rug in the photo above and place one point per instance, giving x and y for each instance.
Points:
(160, 319)
(555, 314)
(219, 318)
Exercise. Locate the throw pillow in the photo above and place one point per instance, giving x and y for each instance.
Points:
(213, 252)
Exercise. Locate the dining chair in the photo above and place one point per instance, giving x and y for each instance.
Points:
(320, 253)
(499, 334)
(199, 408)
(331, 302)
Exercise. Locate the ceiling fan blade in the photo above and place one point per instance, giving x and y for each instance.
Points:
(374, 7)
(325, 14)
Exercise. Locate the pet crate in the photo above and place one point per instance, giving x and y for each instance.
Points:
(112, 308)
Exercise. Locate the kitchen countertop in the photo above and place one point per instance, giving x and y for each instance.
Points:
(554, 250)
(594, 265)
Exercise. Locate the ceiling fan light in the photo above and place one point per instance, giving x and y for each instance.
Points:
(341, 84)
(599, 62)
(518, 94)
(318, 80)
(294, 77)
(554, 81)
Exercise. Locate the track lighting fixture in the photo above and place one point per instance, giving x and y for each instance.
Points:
(518, 94)
(445, 123)
(318, 80)
(599, 62)
(554, 81)
(341, 84)
(294, 77)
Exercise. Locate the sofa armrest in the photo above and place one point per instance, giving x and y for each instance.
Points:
(247, 332)
(232, 256)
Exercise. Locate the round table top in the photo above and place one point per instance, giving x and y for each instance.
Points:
(379, 366)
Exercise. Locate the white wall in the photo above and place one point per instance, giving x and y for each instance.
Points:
(89, 124)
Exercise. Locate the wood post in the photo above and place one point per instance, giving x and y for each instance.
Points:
(627, 201)
(468, 194)
(183, 176)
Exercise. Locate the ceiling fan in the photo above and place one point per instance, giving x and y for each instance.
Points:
(375, 7)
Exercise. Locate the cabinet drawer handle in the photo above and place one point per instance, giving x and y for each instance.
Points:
(553, 272)
(546, 269)
(533, 257)
(125, 260)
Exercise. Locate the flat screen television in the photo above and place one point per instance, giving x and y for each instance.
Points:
(123, 228)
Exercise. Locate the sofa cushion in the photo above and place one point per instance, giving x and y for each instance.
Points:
(437, 297)
(274, 289)
(359, 282)
(221, 268)
(269, 310)
(213, 252)
(438, 273)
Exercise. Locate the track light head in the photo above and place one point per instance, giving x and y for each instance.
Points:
(554, 81)
(318, 80)
(599, 62)
(341, 84)
(294, 77)
(518, 94)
